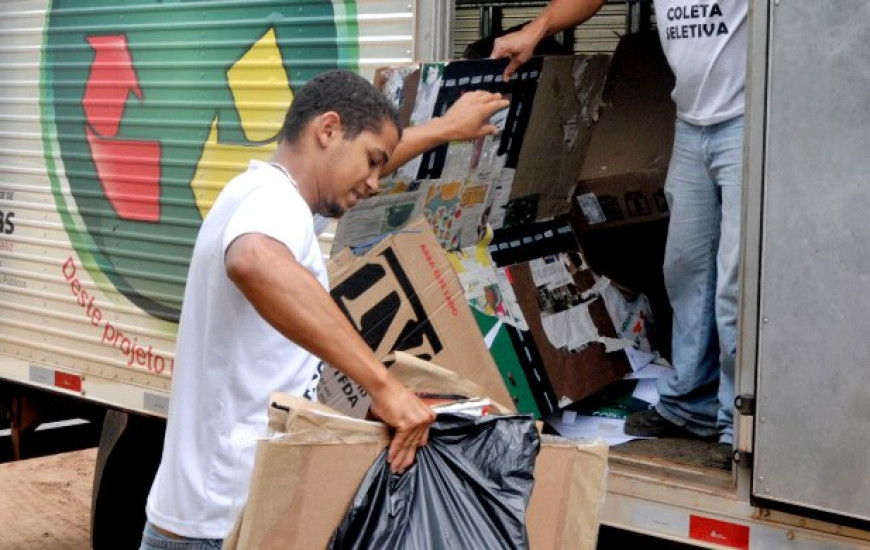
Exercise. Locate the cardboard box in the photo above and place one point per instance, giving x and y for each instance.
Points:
(404, 296)
(305, 478)
(623, 175)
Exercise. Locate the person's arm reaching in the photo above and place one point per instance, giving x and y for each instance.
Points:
(557, 16)
(289, 297)
(465, 119)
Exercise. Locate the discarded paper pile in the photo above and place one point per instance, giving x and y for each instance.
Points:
(306, 475)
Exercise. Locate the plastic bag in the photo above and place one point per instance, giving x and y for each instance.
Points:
(469, 488)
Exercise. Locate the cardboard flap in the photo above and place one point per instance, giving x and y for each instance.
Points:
(302, 421)
(422, 376)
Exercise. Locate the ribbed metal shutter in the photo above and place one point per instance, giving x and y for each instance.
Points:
(599, 34)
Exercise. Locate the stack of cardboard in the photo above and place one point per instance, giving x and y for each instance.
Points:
(305, 476)
(502, 209)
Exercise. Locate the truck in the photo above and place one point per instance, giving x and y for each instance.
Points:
(121, 122)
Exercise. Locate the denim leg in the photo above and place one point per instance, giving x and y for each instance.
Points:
(688, 396)
(726, 153)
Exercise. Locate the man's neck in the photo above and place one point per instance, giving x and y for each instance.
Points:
(293, 160)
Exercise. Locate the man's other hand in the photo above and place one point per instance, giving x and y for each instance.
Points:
(400, 409)
(517, 46)
(467, 117)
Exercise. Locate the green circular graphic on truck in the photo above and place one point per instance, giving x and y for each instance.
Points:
(150, 107)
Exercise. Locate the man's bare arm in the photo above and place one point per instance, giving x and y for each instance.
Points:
(466, 119)
(291, 299)
(557, 16)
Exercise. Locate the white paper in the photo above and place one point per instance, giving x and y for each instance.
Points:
(638, 358)
(571, 329)
(652, 370)
(373, 217)
(550, 272)
(591, 208)
(590, 428)
(646, 391)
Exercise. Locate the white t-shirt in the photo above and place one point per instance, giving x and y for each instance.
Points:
(228, 360)
(705, 43)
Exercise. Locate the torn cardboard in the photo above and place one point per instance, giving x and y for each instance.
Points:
(573, 334)
(404, 296)
(576, 326)
(623, 175)
(560, 126)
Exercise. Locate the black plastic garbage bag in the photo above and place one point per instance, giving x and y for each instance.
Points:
(469, 488)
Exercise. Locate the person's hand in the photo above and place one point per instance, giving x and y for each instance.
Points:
(467, 118)
(517, 46)
(400, 409)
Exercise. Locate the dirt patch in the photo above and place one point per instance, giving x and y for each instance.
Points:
(46, 501)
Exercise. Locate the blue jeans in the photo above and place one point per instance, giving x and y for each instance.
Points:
(703, 190)
(154, 540)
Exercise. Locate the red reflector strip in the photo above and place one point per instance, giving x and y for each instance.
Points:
(719, 532)
(67, 381)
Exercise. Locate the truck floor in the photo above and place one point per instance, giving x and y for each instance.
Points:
(688, 452)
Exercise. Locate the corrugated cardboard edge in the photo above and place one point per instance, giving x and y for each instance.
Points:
(422, 376)
(302, 421)
(567, 516)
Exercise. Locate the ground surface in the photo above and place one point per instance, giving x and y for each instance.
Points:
(46, 501)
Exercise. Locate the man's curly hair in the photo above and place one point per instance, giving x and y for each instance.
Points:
(359, 105)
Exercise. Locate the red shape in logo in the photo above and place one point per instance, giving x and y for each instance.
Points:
(128, 170)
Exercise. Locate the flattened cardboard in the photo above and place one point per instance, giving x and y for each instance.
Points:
(525, 173)
(404, 295)
(560, 126)
(623, 175)
(576, 375)
(618, 200)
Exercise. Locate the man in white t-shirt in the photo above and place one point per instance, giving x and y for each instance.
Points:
(705, 44)
(257, 316)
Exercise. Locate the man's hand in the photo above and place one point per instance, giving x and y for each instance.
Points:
(400, 409)
(467, 118)
(557, 16)
(517, 46)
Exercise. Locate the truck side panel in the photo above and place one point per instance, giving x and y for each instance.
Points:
(119, 125)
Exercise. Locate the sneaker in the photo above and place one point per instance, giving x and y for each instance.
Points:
(650, 423)
(721, 456)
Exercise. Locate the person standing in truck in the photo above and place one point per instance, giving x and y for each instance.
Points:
(257, 316)
(705, 44)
